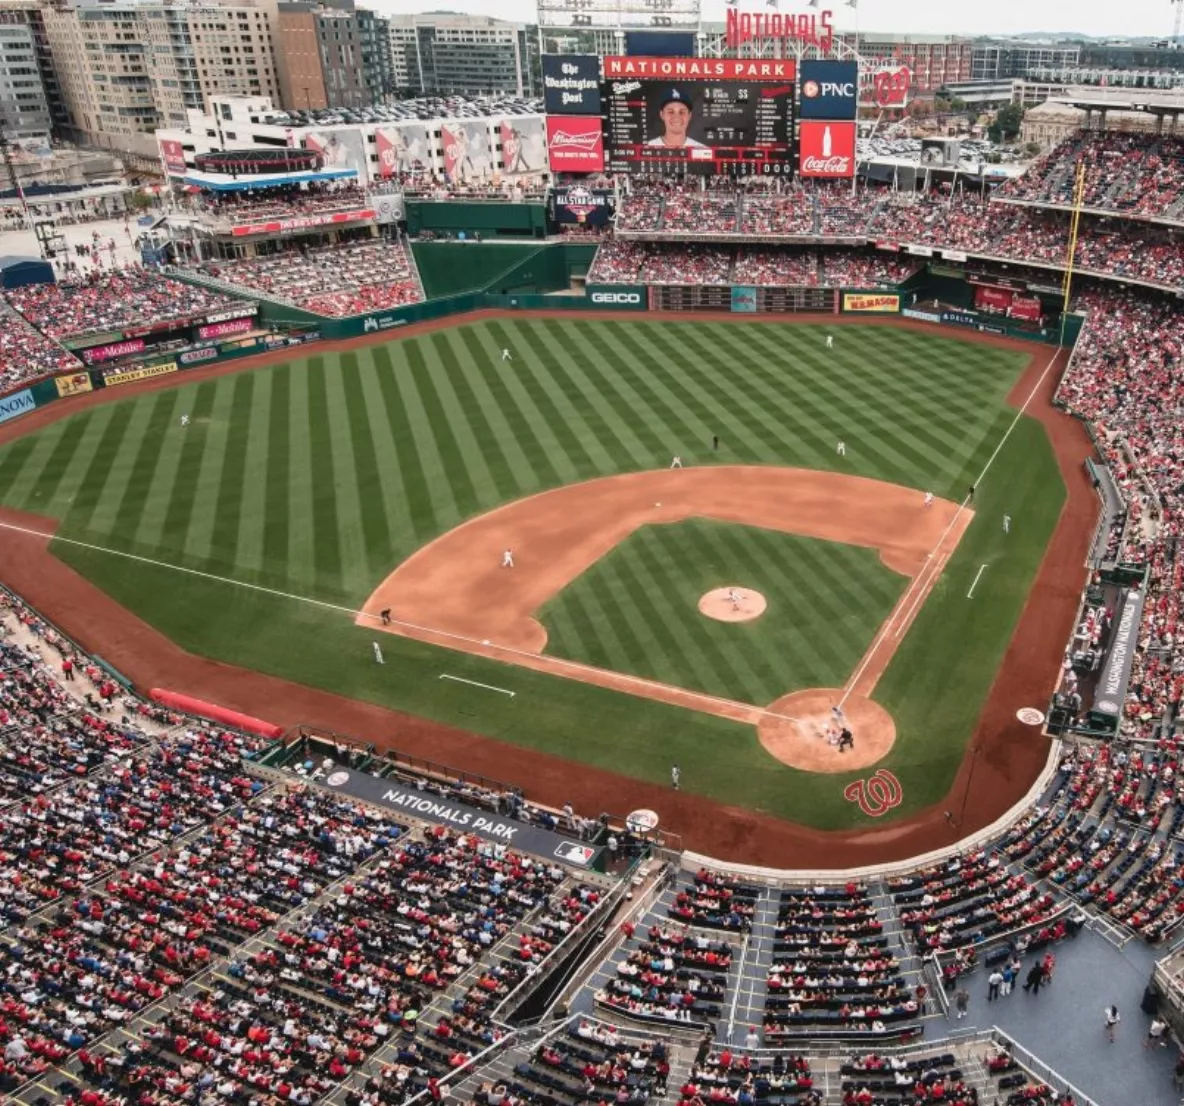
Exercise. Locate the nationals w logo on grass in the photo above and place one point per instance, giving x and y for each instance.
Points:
(876, 795)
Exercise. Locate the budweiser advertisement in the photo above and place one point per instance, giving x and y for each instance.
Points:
(575, 144)
(826, 149)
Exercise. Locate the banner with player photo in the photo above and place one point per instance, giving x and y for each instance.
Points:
(405, 148)
(341, 149)
(524, 145)
(468, 155)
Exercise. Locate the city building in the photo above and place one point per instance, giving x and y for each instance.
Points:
(35, 18)
(995, 60)
(333, 54)
(444, 54)
(24, 109)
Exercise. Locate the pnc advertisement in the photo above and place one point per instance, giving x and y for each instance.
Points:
(829, 90)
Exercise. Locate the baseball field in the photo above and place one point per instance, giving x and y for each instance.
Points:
(396, 475)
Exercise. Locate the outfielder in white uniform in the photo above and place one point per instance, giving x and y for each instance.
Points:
(841, 448)
(508, 559)
(184, 420)
(507, 355)
(830, 341)
(677, 462)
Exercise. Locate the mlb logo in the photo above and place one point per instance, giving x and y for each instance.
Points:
(575, 853)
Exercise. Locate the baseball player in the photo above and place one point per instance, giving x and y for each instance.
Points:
(675, 776)
(830, 341)
(734, 598)
(377, 653)
(508, 559)
(1007, 524)
(929, 499)
(385, 615)
(184, 420)
(677, 462)
(841, 448)
(507, 355)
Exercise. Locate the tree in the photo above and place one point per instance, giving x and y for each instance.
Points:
(1007, 123)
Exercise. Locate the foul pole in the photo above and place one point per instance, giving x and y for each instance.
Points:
(1074, 219)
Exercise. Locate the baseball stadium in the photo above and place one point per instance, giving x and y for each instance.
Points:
(625, 597)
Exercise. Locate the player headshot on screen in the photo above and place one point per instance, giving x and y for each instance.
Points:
(675, 112)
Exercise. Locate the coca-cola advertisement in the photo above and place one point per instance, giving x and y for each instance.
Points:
(987, 298)
(575, 144)
(219, 330)
(468, 156)
(826, 150)
(172, 153)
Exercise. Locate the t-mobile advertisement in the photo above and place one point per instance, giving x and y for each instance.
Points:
(826, 149)
(575, 144)
(219, 330)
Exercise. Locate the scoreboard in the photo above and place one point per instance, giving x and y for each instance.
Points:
(699, 115)
(619, 14)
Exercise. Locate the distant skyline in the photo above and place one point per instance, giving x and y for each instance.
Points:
(1139, 18)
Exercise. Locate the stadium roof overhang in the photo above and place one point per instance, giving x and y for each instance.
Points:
(1148, 101)
(222, 182)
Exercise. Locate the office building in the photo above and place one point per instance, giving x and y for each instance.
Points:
(24, 109)
(464, 55)
(333, 55)
(997, 60)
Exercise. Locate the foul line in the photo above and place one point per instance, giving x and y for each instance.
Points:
(974, 584)
(932, 562)
(474, 683)
(416, 632)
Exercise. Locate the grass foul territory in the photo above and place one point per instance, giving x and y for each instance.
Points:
(317, 477)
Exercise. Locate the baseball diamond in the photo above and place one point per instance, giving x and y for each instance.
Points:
(316, 478)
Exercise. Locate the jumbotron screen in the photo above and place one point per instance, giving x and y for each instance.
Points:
(699, 115)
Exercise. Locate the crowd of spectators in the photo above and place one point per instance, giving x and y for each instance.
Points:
(335, 281)
(290, 202)
(101, 302)
(876, 1080)
(26, 354)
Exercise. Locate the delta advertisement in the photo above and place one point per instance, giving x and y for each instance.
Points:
(524, 145)
(829, 89)
(172, 153)
(571, 84)
(575, 144)
(117, 349)
(73, 385)
(468, 155)
(404, 148)
(219, 330)
(583, 206)
(115, 377)
(862, 301)
(18, 404)
(826, 150)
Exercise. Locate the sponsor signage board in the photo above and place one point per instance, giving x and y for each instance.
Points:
(743, 299)
(302, 222)
(997, 299)
(172, 153)
(924, 316)
(96, 354)
(960, 318)
(19, 403)
(700, 115)
(826, 150)
(1116, 672)
(828, 89)
(461, 818)
(919, 251)
(196, 356)
(630, 296)
(73, 385)
(245, 311)
(219, 330)
(113, 378)
(382, 322)
(575, 144)
(571, 84)
(576, 203)
(953, 255)
(865, 301)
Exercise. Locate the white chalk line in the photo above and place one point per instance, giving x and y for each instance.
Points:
(415, 630)
(475, 683)
(932, 561)
(974, 584)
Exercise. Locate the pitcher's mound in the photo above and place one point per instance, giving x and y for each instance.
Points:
(732, 604)
(804, 743)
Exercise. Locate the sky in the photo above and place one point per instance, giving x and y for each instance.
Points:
(996, 17)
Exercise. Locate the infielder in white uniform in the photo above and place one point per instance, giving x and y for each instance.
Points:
(929, 499)
(508, 559)
(841, 448)
(677, 462)
(507, 355)
(830, 341)
(184, 420)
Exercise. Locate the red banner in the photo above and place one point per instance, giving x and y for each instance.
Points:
(275, 226)
(453, 147)
(173, 155)
(987, 298)
(386, 154)
(1027, 309)
(700, 69)
(826, 149)
(217, 330)
(575, 144)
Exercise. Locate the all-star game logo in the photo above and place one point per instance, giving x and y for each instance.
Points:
(581, 201)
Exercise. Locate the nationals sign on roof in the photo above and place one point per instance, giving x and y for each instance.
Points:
(701, 69)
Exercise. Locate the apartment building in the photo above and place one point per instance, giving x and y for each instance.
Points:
(333, 54)
(443, 54)
(24, 109)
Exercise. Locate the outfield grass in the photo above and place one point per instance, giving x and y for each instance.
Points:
(636, 610)
(318, 476)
